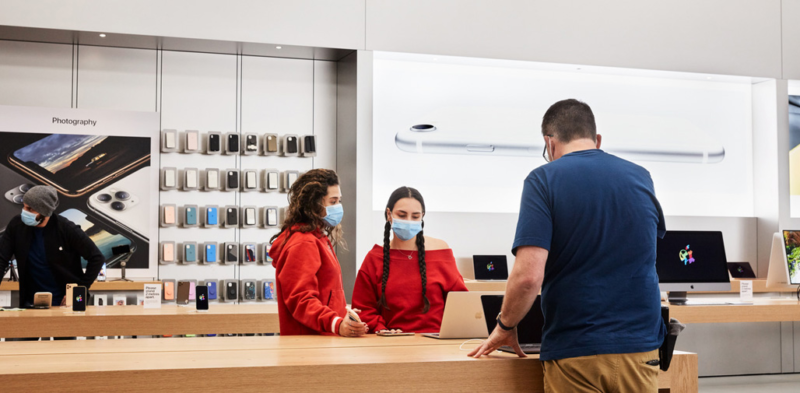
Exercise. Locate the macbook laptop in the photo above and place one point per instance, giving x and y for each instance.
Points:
(463, 316)
(529, 330)
(741, 270)
(490, 267)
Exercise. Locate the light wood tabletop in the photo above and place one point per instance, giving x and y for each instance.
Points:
(762, 310)
(136, 321)
(759, 286)
(97, 286)
(307, 363)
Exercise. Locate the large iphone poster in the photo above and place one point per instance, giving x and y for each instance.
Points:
(100, 162)
(466, 132)
(794, 154)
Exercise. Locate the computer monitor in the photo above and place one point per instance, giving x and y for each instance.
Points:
(691, 261)
(490, 267)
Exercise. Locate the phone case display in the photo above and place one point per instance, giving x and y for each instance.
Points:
(271, 218)
(189, 251)
(232, 144)
(120, 300)
(169, 179)
(212, 288)
(166, 252)
(270, 144)
(308, 145)
(231, 217)
(249, 253)
(231, 253)
(250, 180)
(169, 141)
(210, 253)
(251, 144)
(289, 177)
(214, 143)
(290, 146)
(265, 258)
(191, 179)
(249, 291)
(211, 216)
(169, 216)
(191, 141)
(231, 180)
(230, 290)
(168, 293)
(190, 216)
(249, 217)
(183, 292)
(211, 179)
(267, 290)
(271, 181)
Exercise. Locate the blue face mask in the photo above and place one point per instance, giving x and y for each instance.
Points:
(29, 218)
(406, 230)
(335, 214)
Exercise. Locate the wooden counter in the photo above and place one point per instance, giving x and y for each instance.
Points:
(136, 321)
(759, 286)
(310, 363)
(97, 286)
(760, 311)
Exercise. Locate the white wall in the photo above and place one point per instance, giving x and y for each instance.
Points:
(735, 37)
(314, 23)
(790, 15)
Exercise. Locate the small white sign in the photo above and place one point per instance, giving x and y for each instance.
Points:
(746, 290)
(5, 298)
(152, 295)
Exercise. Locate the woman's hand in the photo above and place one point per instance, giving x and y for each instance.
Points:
(350, 328)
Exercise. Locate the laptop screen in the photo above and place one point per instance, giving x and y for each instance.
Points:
(490, 267)
(529, 330)
(691, 257)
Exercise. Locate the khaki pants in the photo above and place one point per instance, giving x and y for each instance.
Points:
(617, 373)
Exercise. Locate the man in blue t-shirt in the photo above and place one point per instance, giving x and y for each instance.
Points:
(586, 237)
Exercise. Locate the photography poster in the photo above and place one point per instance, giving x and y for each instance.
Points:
(100, 162)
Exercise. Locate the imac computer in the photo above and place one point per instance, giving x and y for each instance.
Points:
(691, 261)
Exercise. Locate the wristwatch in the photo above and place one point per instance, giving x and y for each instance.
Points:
(502, 326)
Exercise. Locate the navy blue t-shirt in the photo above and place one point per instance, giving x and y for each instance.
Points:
(598, 216)
(39, 270)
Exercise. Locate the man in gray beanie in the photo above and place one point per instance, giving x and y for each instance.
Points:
(48, 249)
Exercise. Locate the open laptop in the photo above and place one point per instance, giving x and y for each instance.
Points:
(463, 316)
(490, 267)
(529, 330)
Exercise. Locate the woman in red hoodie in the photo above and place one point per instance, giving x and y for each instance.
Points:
(308, 277)
(423, 271)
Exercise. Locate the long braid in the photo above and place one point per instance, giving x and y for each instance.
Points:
(422, 269)
(385, 277)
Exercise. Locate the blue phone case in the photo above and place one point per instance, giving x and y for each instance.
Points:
(267, 291)
(212, 216)
(212, 290)
(211, 253)
(191, 216)
(191, 253)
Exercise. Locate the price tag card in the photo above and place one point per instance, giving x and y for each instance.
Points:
(152, 295)
(746, 290)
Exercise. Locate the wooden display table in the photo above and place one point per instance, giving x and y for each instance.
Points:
(759, 286)
(766, 310)
(138, 321)
(308, 363)
(97, 286)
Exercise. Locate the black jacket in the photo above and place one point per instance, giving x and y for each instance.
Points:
(64, 242)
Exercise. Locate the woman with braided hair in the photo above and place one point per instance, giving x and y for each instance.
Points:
(404, 283)
(308, 277)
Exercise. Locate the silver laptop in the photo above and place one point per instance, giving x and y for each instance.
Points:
(463, 316)
(490, 267)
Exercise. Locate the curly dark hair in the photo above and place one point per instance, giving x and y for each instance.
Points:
(306, 207)
(398, 194)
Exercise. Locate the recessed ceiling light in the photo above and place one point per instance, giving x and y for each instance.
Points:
(708, 77)
(277, 47)
(102, 35)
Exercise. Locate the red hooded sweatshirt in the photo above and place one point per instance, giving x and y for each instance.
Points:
(308, 282)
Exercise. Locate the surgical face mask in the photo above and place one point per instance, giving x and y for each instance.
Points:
(335, 214)
(29, 218)
(406, 230)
